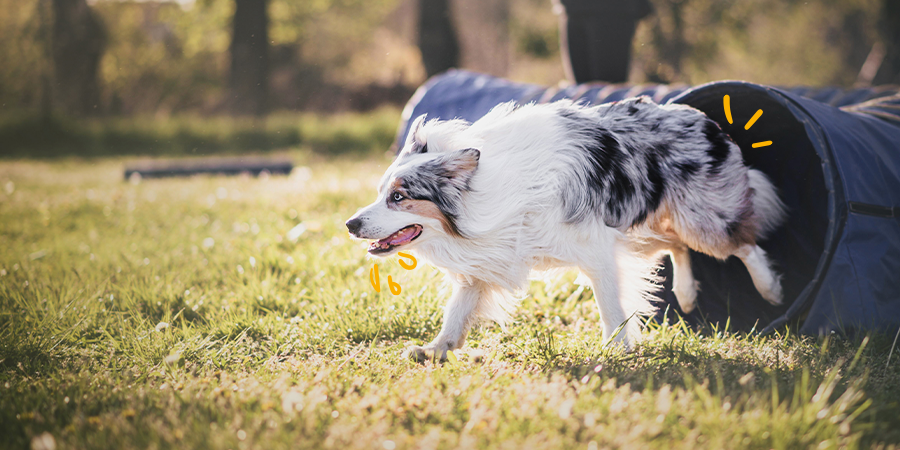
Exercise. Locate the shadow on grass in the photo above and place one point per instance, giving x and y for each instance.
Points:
(790, 367)
(25, 359)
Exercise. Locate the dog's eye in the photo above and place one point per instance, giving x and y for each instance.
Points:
(397, 197)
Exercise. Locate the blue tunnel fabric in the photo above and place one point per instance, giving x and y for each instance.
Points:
(861, 288)
(854, 287)
(469, 95)
(835, 158)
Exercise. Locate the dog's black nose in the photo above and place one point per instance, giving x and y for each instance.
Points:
(353, 225)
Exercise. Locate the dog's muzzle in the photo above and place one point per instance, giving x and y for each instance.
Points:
(353, 226)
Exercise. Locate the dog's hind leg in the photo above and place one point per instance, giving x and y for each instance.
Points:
(766, 280)
(683, 283)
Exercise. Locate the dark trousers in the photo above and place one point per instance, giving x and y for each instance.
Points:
(596, 48)
(596, 35)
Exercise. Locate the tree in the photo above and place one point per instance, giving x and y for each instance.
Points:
(249, 78)
(437, 37)
(77, 43)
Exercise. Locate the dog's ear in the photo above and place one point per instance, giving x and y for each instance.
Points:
(459, 166)
(412, 143)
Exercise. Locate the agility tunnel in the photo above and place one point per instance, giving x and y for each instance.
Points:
(834, 154)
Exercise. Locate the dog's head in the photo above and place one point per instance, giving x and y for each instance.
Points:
(420, 195)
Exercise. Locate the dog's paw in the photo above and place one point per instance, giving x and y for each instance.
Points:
(422, 354)
(621, 341)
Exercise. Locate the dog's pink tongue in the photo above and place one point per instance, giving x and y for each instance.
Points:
(403, 236)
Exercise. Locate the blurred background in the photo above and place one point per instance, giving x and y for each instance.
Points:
(197, 76)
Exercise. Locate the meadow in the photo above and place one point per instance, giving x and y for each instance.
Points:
(236, 313)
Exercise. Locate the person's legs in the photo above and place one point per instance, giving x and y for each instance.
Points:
(597, 47)
(595, 37)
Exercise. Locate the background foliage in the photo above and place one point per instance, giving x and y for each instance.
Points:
(781, 42)
(165, 58)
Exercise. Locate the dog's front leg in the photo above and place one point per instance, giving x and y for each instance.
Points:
(459, 316)
(618, 323)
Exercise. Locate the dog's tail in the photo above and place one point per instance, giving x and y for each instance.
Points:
(768, 208)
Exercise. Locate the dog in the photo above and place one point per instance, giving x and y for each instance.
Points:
(608, 189)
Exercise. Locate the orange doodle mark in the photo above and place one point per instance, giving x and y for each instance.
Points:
(373, 278)
(726, 102)
(404, 265)
(753, 119)
(392, 285)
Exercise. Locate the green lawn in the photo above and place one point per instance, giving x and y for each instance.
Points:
(179, 313)
(23, 135)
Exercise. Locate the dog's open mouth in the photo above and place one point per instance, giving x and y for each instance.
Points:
(402, 237)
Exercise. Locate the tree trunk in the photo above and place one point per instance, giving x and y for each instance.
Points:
(437, 37)
(482, 30)
(249, 80)
(77, 44)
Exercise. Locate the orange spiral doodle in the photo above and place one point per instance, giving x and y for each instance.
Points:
(406, 266)
(392, 285)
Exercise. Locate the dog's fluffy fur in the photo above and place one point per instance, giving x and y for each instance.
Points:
(606, 189)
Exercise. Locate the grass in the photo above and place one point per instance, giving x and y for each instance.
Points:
(32, 136)
(179, 313)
